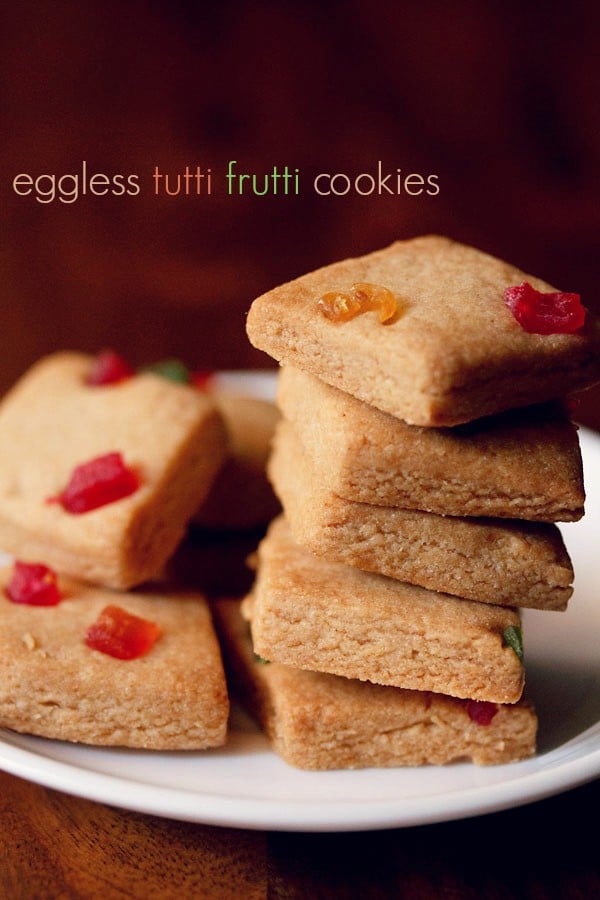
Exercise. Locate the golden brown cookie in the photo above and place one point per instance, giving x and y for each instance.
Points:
(52, 421)
(453, 352)
(495, 561)
(317, 721)
(523, 464)
(241, 496)
(323, 616)
(52, 684)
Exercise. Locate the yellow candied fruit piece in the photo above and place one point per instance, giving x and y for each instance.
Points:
(338, 307)
(341, 306)
(377, 297)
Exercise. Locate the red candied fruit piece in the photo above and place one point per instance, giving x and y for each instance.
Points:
(545, 313)
(98, 482)
(109, 368)
(119, 633)
(201, 379)
(481, 711)
(33, 584)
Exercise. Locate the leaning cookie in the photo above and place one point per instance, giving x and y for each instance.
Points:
(323, 616)
(522, 464)
(241, 497)
(173, 697)
(495, 561)
(101, 480)
(317, 721)
(450, 349)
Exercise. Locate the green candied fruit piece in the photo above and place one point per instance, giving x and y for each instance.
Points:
(171, 369)
(261, 660)
(513, 638)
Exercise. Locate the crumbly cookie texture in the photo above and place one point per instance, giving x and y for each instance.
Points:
(494, 561)
(314, 614)
(52, 421)
(241, 496)
(523, 464)
(453, 353)
(52, 684)
(319, 721)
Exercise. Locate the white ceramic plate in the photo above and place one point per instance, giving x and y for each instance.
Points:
(246, 785)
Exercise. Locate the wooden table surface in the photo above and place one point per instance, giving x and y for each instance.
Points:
(56, 846)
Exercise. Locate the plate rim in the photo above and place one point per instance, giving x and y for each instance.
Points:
(310, 815)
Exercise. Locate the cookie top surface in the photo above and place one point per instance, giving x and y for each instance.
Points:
(454, 351)
(53, 416)
(53, 684)
(52, 421)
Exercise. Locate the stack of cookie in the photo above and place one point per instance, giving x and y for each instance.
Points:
(421, 464)
(100, 470)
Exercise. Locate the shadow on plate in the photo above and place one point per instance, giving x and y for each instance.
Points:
(566, 698)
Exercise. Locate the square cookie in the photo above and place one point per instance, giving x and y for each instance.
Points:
(453, 352)
(52, 684)
(52, 421)
(522, 464)
(241, 497)
(496, 561)
(323, 616)
(317, 721)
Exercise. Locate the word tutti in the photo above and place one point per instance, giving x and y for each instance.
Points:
(274, 182)
(185, 184)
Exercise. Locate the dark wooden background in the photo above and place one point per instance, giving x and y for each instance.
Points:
(500, 100)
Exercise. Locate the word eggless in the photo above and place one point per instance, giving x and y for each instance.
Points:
(69, 187)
